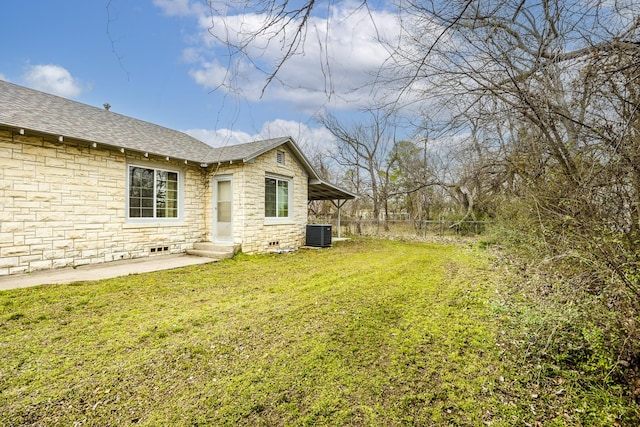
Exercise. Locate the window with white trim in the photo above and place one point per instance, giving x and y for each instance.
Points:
(153, 193)
(277, 197)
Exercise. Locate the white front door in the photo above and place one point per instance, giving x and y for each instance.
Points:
(222, 209)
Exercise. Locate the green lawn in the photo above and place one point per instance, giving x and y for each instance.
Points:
(370, 332)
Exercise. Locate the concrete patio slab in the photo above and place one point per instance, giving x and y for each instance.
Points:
(105, 270)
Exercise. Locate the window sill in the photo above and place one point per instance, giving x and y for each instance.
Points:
(154, 224)
(285, 221)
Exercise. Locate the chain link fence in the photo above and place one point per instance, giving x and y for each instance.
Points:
(406, 228)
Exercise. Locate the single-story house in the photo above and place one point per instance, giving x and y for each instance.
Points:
(83, 185)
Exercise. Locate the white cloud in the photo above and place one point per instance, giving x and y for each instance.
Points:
(211, 75)
(179, 7)
(338, 58)
(311, 140)
(191, 55)
(53, 79)
(220, 137)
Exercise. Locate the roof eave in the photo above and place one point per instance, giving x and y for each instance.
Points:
(62, 138)
(324, 190)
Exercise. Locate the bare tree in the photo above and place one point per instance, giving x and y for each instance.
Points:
(362, 149)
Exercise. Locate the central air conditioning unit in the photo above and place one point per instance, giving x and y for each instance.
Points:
(319, 235)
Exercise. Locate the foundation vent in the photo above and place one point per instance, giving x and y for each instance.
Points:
(159, 249)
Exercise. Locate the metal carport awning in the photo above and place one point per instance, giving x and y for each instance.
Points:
(320, 190)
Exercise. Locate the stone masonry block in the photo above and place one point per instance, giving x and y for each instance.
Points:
(14, 250)
(40, 265)
(6, 262)
(21, 269)
(9, 228)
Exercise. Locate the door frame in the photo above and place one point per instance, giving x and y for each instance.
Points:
(215, 235)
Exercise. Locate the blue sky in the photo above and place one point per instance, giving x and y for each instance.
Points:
(157, 60)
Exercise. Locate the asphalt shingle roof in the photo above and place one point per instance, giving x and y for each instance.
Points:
(247, 151)
(40, 112)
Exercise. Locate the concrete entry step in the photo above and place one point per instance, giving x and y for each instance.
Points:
(214, 250)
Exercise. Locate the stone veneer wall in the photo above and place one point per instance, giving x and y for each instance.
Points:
(251, 228)
(63, 204)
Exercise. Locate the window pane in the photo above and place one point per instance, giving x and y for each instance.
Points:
(276, 198)
(161, 189)
(224, 200)
(166, 194)
(270, 197)
(224, 211)
(283, 199)
(172, 177)
(152, 193)
(140, 183)
(224, 190)
(136, 177)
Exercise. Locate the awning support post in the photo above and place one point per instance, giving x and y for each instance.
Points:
(339, 204)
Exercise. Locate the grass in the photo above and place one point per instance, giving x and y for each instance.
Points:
(368, 333)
